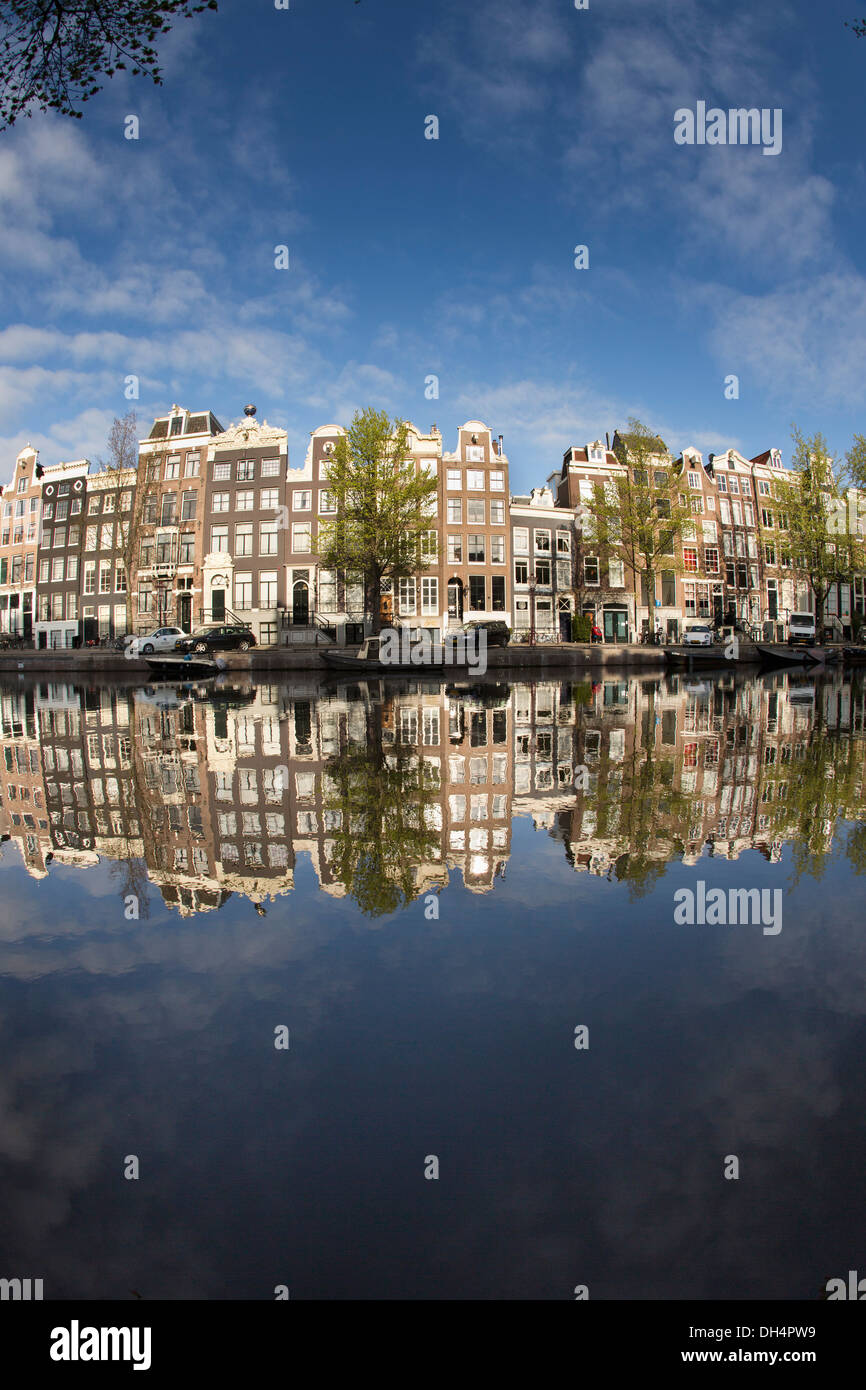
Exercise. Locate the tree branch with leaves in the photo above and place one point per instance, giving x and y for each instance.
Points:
(53, 53)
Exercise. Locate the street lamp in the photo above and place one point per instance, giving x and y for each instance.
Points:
(533, 584)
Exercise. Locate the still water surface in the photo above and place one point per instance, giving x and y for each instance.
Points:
(427, 889)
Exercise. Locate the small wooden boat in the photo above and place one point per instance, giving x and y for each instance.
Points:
(854, 656)
(171, 667)
(778, 654)
(368, 658)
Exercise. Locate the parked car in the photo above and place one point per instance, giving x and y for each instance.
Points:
(801, 628)
(698, 635)
(498, 632)
(163, 639)
(217, 637)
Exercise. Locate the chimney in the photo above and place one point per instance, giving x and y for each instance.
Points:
(500, 446)
(607, 440)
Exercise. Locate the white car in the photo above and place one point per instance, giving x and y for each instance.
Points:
(698, 635)
(162, 640)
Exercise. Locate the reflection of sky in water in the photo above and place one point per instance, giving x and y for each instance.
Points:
(450, 1037)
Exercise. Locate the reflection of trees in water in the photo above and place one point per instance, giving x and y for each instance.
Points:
(382, 795)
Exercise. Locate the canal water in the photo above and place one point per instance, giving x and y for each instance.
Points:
(406, 990)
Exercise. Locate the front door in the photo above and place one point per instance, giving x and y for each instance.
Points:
(616, 626)
(217, 605)
(184, 611)
(300, 604)
(455, 600)
(386, 609)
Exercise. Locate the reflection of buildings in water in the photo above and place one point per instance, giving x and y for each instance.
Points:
(205, 798)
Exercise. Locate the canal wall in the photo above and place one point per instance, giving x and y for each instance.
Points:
(75, 664)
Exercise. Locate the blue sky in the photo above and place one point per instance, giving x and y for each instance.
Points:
(410, 257)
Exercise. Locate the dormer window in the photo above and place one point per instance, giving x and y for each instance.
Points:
(177, 424)
(595, 453)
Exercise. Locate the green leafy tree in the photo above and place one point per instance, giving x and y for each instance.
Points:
(53, 53)
(639, 513)
(383, 507)
(820, 520)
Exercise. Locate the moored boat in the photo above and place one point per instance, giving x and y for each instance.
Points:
(777, 654)
(369, 657)
(183, 668)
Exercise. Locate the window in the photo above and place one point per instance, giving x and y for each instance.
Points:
(697, 506)
(690, 558)
(521, 540)
(90, 576)
(733, 484)
(429, 596)
(243, 591)
(90, 538)
(497, 481)
(521, 571)
(268, 589)
(43, 571)
(189, 501)
(725, 511)
(270, 468)
(616, 574)
(590, 570)
(269, 499)
(60, 536)
(75, 505)
(542, 542)
(165, 546)
(766, 519)
(105, 577)
(187, 548)
(302, 501)
(168, 515)
(48, 511)
(119, 579)
(694, 480)
(764, 488)
(429, 546)
(497, 550)
(222, 472)
(563, 543)
(106, 537)
(475, 549)
(302, 538)
(737, 510)
(770, 551)
(326, 501)
(455, 511)
(219, 539)
(542, 572)
(244, 539)
(407, 596)
(220, 502)
(93, 505)
(453, 480)
(268, 538)
(474, 480)
(711, 559)
(476, 593)
(722, 484)
(748, 514)
(245, 471)
(245, 500)
(57, 568)
(172, 469)
(475, 513)
(71, 608)
(497, 513)
(191, 466)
